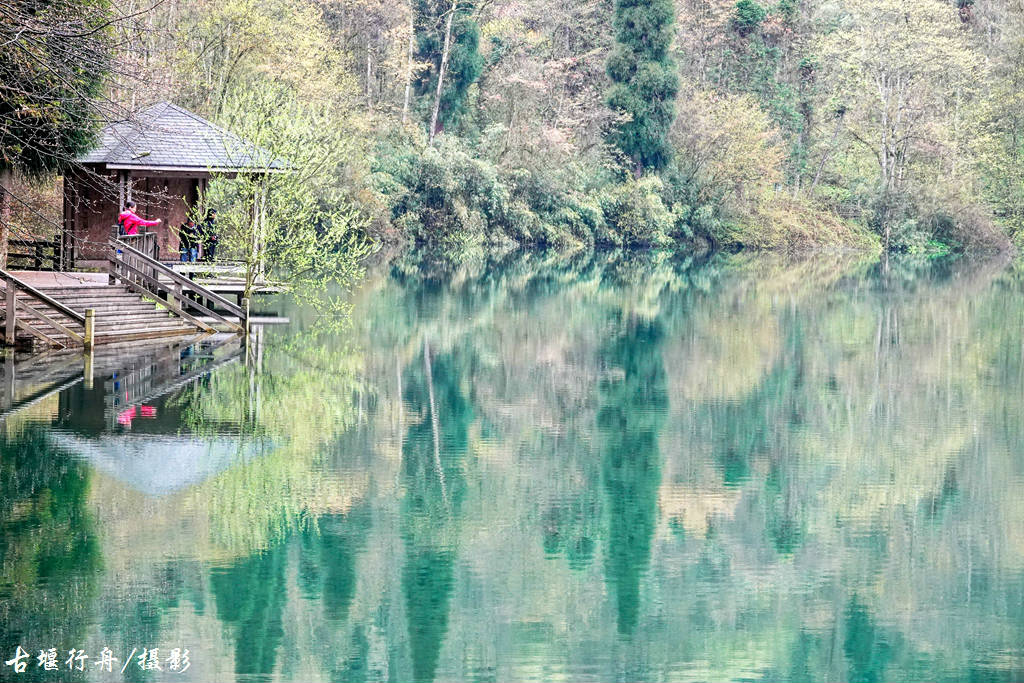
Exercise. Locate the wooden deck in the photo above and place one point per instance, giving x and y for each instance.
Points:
(223, 278)
(48, 279)
(137, 298)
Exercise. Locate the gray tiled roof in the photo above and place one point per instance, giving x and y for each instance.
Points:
(168, 137)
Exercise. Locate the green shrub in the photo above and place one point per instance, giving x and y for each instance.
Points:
(637, 213)
(748, 16)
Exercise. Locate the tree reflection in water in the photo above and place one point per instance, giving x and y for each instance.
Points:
(600, 466)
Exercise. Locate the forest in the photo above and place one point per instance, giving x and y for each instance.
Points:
(890, 125)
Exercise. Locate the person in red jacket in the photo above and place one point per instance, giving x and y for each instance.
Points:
(130, 222)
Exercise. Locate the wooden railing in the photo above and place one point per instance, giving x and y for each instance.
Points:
(147, 275)
(35, 254)
(24, 309)
(145, 242)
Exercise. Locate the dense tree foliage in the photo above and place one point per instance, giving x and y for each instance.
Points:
(53, 67)
(53, 64)
(463, 63)
(870, 123)
(644, 81)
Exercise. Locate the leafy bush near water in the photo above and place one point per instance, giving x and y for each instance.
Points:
(445, 196)
(452, 199)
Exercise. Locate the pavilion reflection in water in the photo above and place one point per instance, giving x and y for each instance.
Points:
(108, 415)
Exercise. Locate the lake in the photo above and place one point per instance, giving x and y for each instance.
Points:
(533, 467)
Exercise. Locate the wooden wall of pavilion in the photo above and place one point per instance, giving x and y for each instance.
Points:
(92, 204)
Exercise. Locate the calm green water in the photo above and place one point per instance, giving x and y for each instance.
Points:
(611, 468)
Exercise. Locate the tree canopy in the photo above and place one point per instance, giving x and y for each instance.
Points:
(869, 123)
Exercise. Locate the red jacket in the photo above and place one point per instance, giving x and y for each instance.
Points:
(131, 222)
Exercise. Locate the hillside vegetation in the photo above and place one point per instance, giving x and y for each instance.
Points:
(874, 124)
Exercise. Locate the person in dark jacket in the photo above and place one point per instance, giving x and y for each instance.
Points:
(188, 240)
(209, 235)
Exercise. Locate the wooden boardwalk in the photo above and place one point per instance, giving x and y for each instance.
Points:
(66, 315)
(224, 278)
(137, 298)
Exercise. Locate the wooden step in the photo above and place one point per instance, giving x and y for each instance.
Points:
(83, 288)
(102, 308)
(156, 316)
(119, 324)
(122, 316)
(114, 312)
(106, 311)
(129, 335)
(107, 317)
(144, 315)
(102, 305)
(97, 301)
(131, 329)
(113, 298)
(87, 293)
(115, 335)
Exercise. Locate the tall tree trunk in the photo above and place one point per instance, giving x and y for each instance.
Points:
(408, 67)
(6, 184)
(441, 71)
(827, 154)
(369, 89)
(254, 267)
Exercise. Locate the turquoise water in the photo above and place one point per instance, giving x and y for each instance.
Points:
(530, 467)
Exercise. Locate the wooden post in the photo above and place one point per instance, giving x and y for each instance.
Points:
(87, 370)
(245, 318)
(263, 226)
(63, 236)
(174, 295)
(12, 302)
(149, 249)
(247, 341)
(9, 380)
(256, 243)
(200, 207)
(6, 182)
(90, 328)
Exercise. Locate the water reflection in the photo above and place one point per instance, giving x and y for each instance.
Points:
(49, 549)
(527, 467)
(633, 404)
(434, 486)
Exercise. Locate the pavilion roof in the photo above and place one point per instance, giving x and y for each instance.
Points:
(159, 464)
(167, 137)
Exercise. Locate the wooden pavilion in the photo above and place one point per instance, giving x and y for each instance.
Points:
(162, 159)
